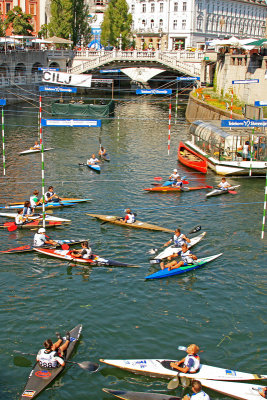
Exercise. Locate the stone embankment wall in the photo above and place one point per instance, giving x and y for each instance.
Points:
(240, 67)
(198, 109)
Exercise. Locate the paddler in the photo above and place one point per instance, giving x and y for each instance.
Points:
(178, 239)
(129, 217)
(178, 183)
(198, 392)
(40, 239)
(27, 210)
(190, 363)
(36, 146)
(34, 201)
(93, 160)
(85, 252)
(53, 353)
(174, 176)
(102, 152)
(50, 195)
(224, 184)
(20, 219)
(187, 259)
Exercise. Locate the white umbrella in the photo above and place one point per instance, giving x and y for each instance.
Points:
(37, 40)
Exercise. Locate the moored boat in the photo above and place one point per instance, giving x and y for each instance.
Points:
(191, 159)
(224, 148)
(40, 377)
(96, 261)
(242, 391)
(172, 249)
(161, 368)
(137, 224)
(129, 395)
(165, 273)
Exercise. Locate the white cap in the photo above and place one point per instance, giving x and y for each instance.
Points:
(175, 170)
(41, 230)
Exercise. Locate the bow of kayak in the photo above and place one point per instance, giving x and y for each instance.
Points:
(242, 391)
(94, 167)
(170, 189)
(129, 395)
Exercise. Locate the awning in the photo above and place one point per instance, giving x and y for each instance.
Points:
(55, 39)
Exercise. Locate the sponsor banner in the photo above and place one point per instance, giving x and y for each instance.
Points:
(43, 374)
(188, 78)
(260, 103)
(242, 82)
(48, 69)
(63, 78)
(88, 123)
(156, 91)
(243, 123)
(57, 89)
(2, 102)
(109, 71)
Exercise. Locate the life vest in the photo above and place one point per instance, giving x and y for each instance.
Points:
(47, 360)
(33, 200)
(186, 257)
(179, 240)
(39, 239)
(19, 219)
(87, 253)
(130, 218)
(48, 195)
(193, 362)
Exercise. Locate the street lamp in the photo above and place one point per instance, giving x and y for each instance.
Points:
(120, 42)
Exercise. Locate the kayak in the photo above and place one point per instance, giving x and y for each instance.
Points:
(105, 157)
(218, 192)
(36, 216)
(63, 199)
(40, 378)
(33, 224)
(96, 261)
(169, 183)
(170, 250)
(48, 205)
(94, 167)
(28, 247)
(161, 368)
(31, 151)
(174, 189)
(243, 391)
(137, 224)
(165, 273)
(129, 395)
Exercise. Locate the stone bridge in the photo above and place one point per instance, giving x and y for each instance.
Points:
(184, 62)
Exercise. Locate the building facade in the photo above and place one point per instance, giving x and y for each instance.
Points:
(173, 24)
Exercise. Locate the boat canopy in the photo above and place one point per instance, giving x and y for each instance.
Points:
(227, 145)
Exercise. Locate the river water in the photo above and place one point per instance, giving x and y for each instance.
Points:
(221, 307)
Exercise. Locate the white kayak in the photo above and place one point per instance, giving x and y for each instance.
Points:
(161, 368)
(243, 391)
(31, 151)
(37, 216)
(218, 192)
(170, 250)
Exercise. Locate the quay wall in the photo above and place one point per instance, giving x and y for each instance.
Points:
(198, 109)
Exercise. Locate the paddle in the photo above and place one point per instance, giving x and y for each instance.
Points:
(88, 366)
(154, 251)
(232, 191)
(116, 219)
(65, 246)
(82, 165)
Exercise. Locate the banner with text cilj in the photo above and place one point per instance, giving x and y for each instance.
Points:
(63, 78)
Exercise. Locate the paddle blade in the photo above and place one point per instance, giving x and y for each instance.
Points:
(174, 383)
(21, 361)
(89, 366)
(65, 246)
(209, 187)
(158, 178)
(194, 230)
(12, 227)
(232, 191)
(182, 348)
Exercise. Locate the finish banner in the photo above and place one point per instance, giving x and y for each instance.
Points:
(63, 78)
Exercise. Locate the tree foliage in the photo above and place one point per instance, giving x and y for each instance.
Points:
(19, 21)
(117, 21)
(69, 19)
(2, 27)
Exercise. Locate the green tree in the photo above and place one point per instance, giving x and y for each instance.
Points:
(69, 19)
(2, 27)
(117, 21)
(43, 32)
(19, 21)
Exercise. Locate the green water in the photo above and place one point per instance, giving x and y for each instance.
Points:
(221, 307)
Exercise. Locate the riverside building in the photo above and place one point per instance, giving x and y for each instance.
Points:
(179, 24)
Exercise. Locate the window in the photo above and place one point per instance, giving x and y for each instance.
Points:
(133, 9)
(32, 9)
(143, 8)
(7, 7)
(199, 23)
(152, 7)
(175, 7)
(184, 6)
(160, 23)
(199, 7)
(183, 24)
(152, 23)
(144, 22)
(175, 24)
(161, 7)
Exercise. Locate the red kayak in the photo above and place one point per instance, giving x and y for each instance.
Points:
(192, 159)
(169, 189)
(30, 225)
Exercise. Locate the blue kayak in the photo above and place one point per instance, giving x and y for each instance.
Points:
(94, 167)
(177, 271)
